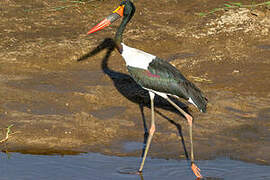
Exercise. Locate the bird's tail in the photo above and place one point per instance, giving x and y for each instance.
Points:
(200, 102)
(197, 98)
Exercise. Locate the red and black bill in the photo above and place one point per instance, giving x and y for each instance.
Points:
(117, 13)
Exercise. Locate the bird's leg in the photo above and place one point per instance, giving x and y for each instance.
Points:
(151, 131)
(194, 167)
(145, 129)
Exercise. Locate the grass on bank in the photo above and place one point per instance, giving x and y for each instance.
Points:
(233, 5)
(8, 133)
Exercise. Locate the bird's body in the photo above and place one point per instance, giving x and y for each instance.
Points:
(155, 75)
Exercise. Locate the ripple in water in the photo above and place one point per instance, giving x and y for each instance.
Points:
(100, 167)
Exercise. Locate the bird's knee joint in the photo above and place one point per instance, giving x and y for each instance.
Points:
(152, 129)
(189, 119)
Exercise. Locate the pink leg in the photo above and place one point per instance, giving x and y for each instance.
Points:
(151, 131)
(189, 118)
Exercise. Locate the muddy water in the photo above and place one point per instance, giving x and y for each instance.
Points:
(96, 166)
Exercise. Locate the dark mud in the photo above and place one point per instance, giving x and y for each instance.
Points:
(59, 105)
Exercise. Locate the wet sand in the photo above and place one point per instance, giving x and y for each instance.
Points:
(59, 105)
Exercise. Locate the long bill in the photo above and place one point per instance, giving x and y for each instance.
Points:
(117, 13)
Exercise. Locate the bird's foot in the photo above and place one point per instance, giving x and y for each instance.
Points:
(196, 170)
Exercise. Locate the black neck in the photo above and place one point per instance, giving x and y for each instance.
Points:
(120, 30)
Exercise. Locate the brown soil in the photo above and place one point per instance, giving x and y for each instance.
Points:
(59, 105)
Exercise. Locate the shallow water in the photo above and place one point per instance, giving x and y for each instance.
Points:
(96, 166)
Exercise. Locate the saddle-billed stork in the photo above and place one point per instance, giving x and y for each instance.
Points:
(155, 75)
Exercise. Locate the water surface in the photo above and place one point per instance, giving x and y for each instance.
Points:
(100, 167)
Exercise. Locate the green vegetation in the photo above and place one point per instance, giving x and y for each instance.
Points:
(67, 4)
(233, 5)
(8, 133)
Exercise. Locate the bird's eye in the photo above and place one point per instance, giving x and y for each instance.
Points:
(123, 3)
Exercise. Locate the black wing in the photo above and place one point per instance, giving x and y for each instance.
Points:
(161, 76)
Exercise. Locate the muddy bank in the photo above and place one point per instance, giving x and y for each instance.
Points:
(60, 105)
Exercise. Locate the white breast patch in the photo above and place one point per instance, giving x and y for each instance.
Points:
(136, 58)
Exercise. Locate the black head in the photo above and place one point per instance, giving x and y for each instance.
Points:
(129, 8)
(126, 10)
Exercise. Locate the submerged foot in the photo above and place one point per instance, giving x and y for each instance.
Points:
(129, 170)
(196, 170)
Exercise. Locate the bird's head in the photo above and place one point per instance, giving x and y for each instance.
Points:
(126, 8)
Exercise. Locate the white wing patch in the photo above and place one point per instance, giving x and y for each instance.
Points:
(136, 58)
(192, 102)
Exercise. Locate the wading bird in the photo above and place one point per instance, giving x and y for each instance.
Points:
(155, 75)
